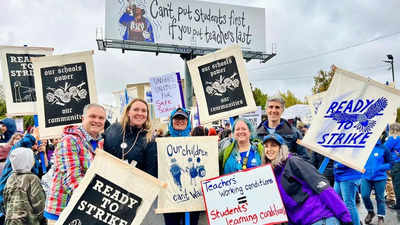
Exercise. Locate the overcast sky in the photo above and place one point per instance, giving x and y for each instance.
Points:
(304, 32)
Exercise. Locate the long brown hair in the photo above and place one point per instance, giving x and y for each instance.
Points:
(125, 121)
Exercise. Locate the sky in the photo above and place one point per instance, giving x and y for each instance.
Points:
(306, 35)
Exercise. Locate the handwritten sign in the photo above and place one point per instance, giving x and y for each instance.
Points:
(253, 117)
(221, 84)
(166, 94)
(186, 23)
(351, 118)
(65, 84)
(103, 198)
(245, 197)
(19, 88)
(182, 163)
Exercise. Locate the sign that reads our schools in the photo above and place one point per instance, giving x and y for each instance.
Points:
(65, 84)
(245, 197)
(351, 118)
(182, 163)
(186, 23)
(221, 84)
(19, 79)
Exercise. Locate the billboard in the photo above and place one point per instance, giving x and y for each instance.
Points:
(184, 23)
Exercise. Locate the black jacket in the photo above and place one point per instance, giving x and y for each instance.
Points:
(289, 133)
(145, 154)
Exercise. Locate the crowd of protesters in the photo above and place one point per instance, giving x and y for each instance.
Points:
(31, 193)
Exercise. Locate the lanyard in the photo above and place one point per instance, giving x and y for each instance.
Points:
(246, 159)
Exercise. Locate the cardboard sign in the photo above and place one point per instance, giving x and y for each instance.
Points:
(166, 94)
(351, 118)
(253, 117)
(221, 85)
(315, 101)
(182, 163)
(104, 198)
(65, 84)
(19, 82)
(246, 197)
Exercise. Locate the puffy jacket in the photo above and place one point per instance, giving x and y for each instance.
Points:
(27, 141)
(306, 194)
(393, 144)
(145, 154)
(289, 133)
(378, 162)
(11, 129)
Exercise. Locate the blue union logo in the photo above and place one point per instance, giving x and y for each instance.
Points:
(359, 114)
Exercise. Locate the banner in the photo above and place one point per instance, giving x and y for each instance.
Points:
(64, 84)
(245, 197)
(102, 197)
(18, 79)
(315, 102)
(186, 23)
(353, 114)
(253, 117)
(221, 84)
(182, 163)
(166, 94)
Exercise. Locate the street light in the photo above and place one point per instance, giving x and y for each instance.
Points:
(390, 57)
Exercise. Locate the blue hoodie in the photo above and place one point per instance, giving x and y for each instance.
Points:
(179, 133)
(11, 129)
(393, 144)
(378, 162)
(344, 173)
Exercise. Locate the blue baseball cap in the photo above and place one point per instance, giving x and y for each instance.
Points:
(275, 137)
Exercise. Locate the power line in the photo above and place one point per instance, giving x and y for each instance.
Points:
(326, 52)
(303, 76)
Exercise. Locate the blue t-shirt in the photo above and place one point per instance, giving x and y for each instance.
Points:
(251, 162)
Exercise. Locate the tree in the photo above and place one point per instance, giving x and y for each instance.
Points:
(3, 109)
(259, 97)
(290, 99)
(398, 116)
(323, 80)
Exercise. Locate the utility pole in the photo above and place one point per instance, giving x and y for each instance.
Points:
(390, 57)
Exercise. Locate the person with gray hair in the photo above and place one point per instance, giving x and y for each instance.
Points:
(393, 144)
(24, 197)
(72, 158)
(275, 124)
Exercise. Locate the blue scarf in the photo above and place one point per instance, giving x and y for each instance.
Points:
(179, 133)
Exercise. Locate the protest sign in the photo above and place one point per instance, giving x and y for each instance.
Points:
(182, 163)
(123, 97)
(221, 84)
(351, 118)
(64, 85)
(253, 117)
(315, 101)
(186, 23)
(245, 197)
(18, 79)
(166, 93)
(102, 197)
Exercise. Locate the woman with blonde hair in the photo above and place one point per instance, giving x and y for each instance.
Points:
(306, 194)
(131, 138)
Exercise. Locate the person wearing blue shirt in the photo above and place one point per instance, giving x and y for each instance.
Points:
(393, 144)
(375, 177)
(244, 152)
